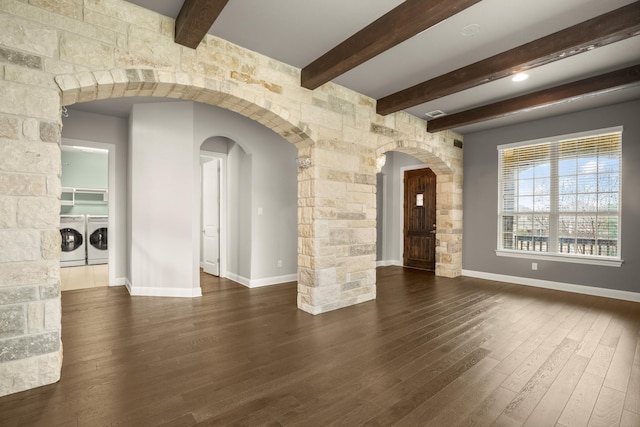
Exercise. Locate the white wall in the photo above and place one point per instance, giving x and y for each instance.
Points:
(238, 251)
(216, 144)
(89, 127)
(275, 229)
(163, 197)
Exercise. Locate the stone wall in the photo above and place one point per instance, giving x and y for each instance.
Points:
(30, 346)
(55, 53)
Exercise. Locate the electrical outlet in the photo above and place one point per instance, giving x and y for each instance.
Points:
(279, 263)
(534, 265)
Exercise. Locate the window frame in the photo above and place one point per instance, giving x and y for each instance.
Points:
(614, 261)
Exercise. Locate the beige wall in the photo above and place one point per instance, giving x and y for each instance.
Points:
(55, 53)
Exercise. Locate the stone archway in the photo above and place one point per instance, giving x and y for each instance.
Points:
(118, 83)
(448, 201)
(89, 86)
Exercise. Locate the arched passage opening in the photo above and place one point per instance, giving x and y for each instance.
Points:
(403, 156)
(214, 210)
(260, 169)
(258, 204)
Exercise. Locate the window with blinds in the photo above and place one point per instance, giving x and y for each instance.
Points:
(561, 196)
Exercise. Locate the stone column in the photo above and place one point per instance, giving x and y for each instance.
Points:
(449, 225)
(337, 227)
(30, 316)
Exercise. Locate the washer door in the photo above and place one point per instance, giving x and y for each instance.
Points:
(98, 239)
(71, 239)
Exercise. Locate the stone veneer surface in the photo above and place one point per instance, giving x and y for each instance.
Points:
(55, 53)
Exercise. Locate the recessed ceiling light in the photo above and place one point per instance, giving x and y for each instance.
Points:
(435, 113)
(470, 30)
(520, 77)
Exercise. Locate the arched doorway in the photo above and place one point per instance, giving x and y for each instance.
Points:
(403, 156)
(260, 172)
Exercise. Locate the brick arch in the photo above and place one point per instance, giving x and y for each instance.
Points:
(118, 83)
(448, 202)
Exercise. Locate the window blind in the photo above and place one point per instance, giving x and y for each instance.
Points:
(561, 196)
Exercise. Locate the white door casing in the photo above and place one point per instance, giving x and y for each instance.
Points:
(211, 216)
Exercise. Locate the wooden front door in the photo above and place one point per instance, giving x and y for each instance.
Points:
(420, 219)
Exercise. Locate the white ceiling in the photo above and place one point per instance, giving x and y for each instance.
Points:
(297, 32)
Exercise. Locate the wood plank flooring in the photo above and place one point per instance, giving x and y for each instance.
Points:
(428, 352)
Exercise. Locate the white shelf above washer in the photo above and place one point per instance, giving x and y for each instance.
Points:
(72, 191)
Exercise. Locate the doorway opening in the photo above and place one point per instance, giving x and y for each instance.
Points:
(87, 215)
(419, 230)
(406, 215)
(213, 241)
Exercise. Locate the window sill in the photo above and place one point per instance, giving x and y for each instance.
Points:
(608, 262)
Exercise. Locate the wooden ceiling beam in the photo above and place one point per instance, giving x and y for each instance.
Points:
(403, 22)
(609, 28)
(605, 82)
(195, 19)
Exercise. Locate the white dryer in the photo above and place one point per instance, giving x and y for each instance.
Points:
(97, 239)
(73, 247)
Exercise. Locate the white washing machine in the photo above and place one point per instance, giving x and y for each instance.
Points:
(97, 239)
(73, 247)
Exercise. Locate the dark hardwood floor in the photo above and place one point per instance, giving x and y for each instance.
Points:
(428, 352)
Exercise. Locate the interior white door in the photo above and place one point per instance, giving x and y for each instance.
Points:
(211, 217)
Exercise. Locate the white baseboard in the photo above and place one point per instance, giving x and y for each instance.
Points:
(276, 280)
(558, 286)
(120, 281)
(387, 263)
(242, 280)
(258, 283)
(148, 291)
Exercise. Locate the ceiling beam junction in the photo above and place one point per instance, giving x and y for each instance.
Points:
(615, 80)
(195, 19)
(602, 30)
(400, 24)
